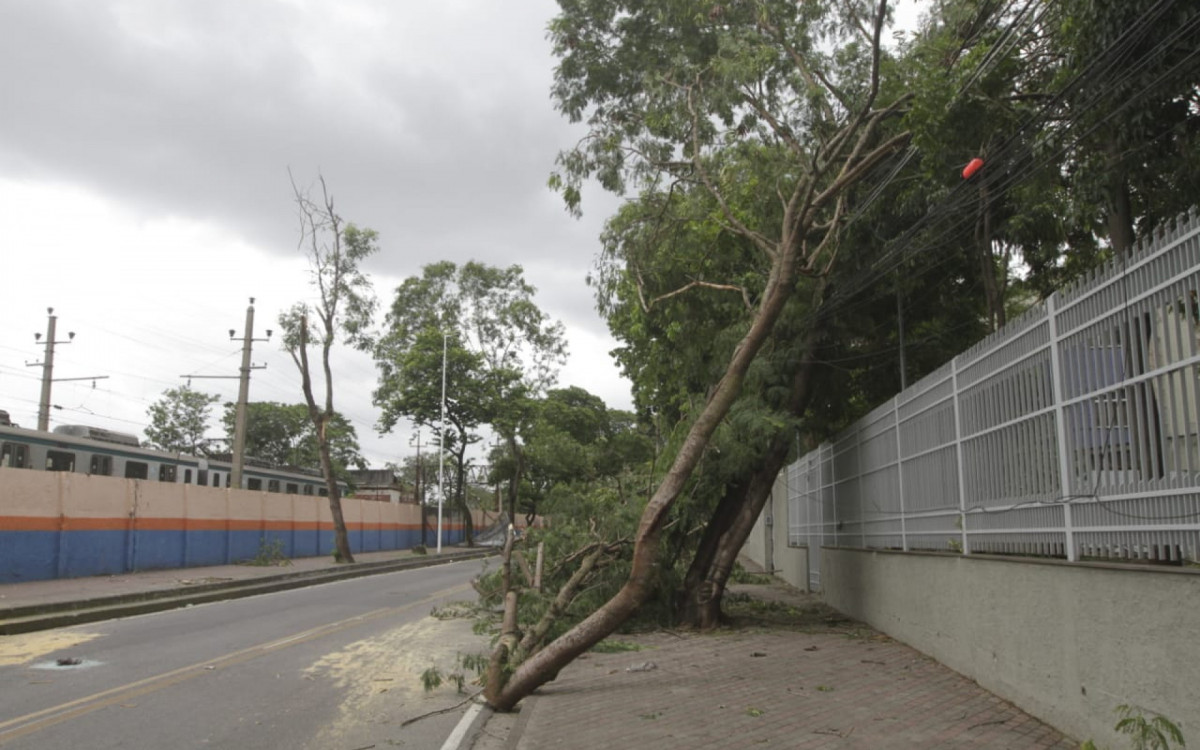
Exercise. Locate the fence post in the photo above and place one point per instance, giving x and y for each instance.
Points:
(1060, 425)
(958, 453)
(858, 471)
(833, 491)
(899, 469)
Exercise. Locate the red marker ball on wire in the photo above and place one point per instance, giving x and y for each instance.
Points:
(972, 167)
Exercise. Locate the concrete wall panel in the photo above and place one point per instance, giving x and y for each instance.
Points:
(63, 525)
(305, 541)
(1067, 642)
(28, 494)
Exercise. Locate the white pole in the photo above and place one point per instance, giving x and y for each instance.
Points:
(442, 448)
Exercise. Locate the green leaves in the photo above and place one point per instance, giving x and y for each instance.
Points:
(1154, 733)
(179, 419)
(283, 434)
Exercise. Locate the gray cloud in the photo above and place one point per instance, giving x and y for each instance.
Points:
(431, 122)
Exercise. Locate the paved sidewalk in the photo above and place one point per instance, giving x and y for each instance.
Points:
(60, 590)
(822, 683)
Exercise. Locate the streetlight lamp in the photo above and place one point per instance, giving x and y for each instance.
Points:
(442, 447)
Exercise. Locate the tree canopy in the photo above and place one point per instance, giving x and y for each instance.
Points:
(284, 435)
(500, 350)
(179, 419)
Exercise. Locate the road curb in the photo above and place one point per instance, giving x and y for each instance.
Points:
(468, 727)
(31, 618)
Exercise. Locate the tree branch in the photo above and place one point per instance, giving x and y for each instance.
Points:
(707, 285)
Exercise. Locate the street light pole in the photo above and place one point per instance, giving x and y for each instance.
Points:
(442, 448)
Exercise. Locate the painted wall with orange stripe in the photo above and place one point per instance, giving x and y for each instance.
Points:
(64, 525)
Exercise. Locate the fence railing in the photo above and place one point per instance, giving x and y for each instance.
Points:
(1072, 432)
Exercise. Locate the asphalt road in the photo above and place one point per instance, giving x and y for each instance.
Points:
(334, 667)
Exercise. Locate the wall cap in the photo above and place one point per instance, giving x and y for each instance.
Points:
(1085, 564)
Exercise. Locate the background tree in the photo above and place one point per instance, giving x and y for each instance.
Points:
(284, 435)
(414, 391)
(419, 472)
(1130, 81)
(573, 444)
(178, 421)
(506, 351)
(344, 305)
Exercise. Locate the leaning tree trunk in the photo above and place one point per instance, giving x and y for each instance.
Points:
(704, 602)
(545, 664)
(740, 507)
(694, 597)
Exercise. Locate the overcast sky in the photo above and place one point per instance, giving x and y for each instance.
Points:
(144, 191)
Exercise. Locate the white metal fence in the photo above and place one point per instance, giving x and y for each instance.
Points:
(1072, 432)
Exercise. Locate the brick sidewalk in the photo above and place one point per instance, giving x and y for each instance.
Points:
(842, 686)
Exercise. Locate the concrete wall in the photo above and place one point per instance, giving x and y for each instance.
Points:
(64, 525)
(1067, 642)
(767, 544)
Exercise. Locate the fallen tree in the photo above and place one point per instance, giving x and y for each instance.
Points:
(668, 93)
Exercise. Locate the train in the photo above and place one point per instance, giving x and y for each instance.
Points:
(96, 451)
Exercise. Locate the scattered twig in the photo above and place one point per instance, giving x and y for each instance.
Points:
(440, 711)
(835, 732)
(987, 723)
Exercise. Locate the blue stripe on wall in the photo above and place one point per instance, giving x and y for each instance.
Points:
(28, 555)
(43, 555)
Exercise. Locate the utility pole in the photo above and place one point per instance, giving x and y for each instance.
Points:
(239, 432)
(239, 425)
(442, 447)
(47, 365)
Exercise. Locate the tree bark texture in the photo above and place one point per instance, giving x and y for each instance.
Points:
(1120, 207)
(460, 497)
(732, 522)
(320, 420)
(987, 261)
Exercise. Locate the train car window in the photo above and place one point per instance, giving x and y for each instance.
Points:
(60, 461)
(187, 476)
(254, 484)
(166, 473)
(137, 470)
(101, 466)
(14, 456)
(293, 488)
(273, 485)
